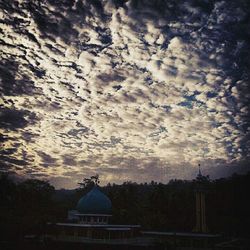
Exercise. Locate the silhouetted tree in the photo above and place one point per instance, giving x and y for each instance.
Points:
(27, 205)
(90, 182)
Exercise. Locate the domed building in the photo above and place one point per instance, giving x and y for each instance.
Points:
(94, 202)
(89, 225)
(93, 208)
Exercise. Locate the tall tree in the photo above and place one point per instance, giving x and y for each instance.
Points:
(88, 183)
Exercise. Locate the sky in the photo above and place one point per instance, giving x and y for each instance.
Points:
(130, 90)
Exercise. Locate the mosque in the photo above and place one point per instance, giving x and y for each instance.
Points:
(88, 225)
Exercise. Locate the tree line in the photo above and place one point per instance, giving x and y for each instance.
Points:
(26, 207)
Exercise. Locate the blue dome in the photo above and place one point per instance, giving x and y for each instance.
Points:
(94, 202)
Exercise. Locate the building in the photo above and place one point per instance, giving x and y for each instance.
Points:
(94, 208)
(200, 203)
(88, 225)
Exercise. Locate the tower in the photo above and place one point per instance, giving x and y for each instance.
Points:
(200, 204)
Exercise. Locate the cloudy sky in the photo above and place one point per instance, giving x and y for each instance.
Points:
(132, 90)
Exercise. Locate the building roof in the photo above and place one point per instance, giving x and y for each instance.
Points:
(202, 235)
(94, 202)
(110, 226)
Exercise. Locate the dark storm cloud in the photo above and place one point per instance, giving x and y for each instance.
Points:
(53, 22)
(111, 78)
(8, 162)
(225, 170)
(47, 160)
(9, 84)
(69, 160)
(77, 132)
(59, 21)
(14, 119)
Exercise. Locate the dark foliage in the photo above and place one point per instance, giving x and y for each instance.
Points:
(26, 207)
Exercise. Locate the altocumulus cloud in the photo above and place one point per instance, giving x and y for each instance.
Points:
(132, 90)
